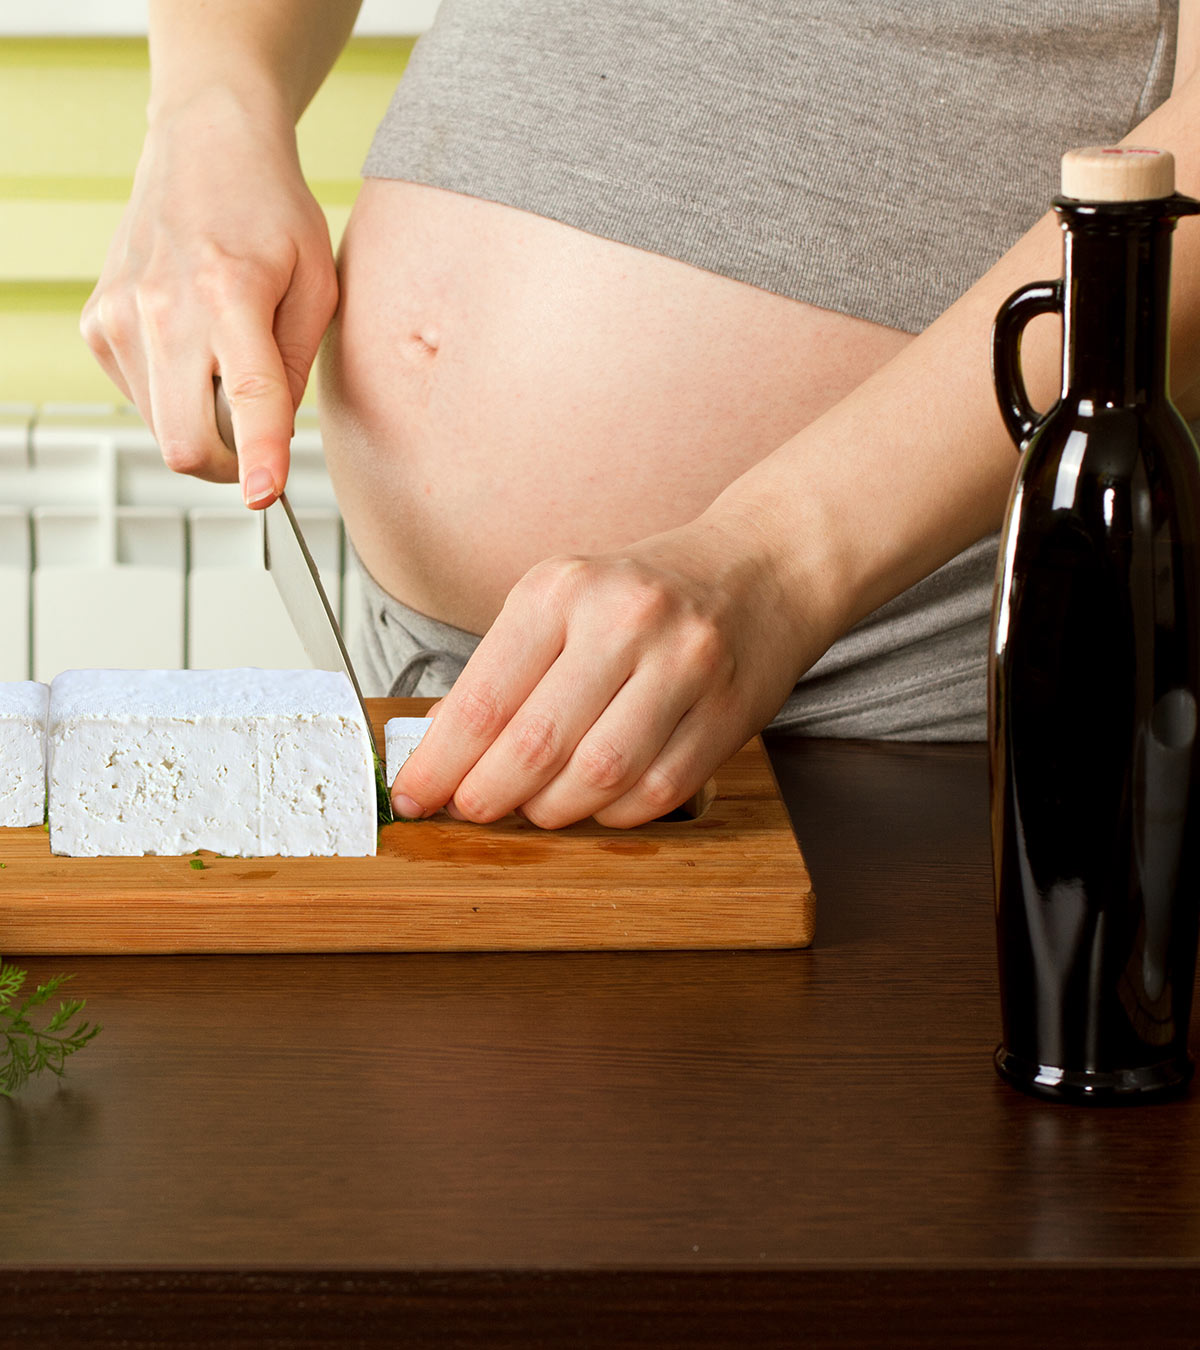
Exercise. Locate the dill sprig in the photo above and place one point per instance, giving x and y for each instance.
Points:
(383, 797)
(24, 1049)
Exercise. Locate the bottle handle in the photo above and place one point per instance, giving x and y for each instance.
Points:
(1020, 416)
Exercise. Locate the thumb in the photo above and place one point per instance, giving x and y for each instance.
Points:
(254, 416)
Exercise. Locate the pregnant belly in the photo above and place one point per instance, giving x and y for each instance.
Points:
(498, 388)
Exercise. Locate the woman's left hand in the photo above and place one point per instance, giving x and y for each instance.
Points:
(614, 685)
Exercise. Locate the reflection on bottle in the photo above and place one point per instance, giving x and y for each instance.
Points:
(1057, 929)
(1162, 773)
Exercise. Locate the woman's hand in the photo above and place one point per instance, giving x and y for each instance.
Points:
(222, 265)
(612, 686)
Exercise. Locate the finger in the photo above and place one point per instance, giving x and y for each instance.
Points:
(112, 368)
(167, 353)
(93, 332)
(613, 754)
(138, 334)
(260, 403)
(541, 735)
(512, 657)
(111, 328)
(134, 382)
(183, 419)
(703, 740)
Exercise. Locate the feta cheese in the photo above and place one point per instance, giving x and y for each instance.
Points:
(243, 762)
(400, 738)
(23, 752)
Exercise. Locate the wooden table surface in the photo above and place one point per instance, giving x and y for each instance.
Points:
(595, 1149)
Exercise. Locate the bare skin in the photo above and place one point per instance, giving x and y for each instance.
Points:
(498, 388)
(666, 494)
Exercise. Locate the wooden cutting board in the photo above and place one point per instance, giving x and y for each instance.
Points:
(733, 878)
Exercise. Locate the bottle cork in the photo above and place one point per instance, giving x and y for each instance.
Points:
(1118, 173)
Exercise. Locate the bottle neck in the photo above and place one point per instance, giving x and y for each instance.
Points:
(1115, 339)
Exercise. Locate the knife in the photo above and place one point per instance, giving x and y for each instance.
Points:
(287, 559)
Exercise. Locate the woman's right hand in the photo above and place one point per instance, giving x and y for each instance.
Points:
(222, 265)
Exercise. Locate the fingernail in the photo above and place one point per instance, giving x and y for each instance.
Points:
(258, 484)
(406, 807)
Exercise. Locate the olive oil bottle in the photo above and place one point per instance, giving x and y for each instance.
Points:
(1094, 668)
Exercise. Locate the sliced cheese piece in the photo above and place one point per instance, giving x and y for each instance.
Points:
(244, 762)
(23, 706)
(401, 736)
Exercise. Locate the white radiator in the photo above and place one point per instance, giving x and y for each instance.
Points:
(108, 559)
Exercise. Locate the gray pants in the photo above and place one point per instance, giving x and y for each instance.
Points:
(915, 669)
(399, 653)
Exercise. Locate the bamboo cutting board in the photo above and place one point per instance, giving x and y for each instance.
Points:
(733, 878)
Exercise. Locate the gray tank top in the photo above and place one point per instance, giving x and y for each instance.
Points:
(872, 157)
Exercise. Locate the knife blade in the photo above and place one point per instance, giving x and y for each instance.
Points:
(287, 558)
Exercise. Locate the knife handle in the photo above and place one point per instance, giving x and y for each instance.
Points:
(697, 803)
(224, 414)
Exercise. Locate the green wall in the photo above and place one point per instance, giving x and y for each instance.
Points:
(74, 115)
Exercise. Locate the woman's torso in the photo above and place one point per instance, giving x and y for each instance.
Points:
(517, 371)
(500, 388)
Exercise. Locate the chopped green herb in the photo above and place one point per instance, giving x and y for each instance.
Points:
(383, 798)
(196, 864)
(24, 1050)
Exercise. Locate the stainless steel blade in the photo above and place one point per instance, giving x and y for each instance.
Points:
(287, 558)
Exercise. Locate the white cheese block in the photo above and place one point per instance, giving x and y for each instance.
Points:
(400, 738)
(243, 762)
(23, 752)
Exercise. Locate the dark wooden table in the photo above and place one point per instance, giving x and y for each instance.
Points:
(692, 1149)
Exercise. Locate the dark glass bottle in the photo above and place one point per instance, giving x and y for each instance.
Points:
(1094, 679)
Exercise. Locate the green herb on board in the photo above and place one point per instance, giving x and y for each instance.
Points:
(24, 1049)
(383, 798)
(196, 864)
